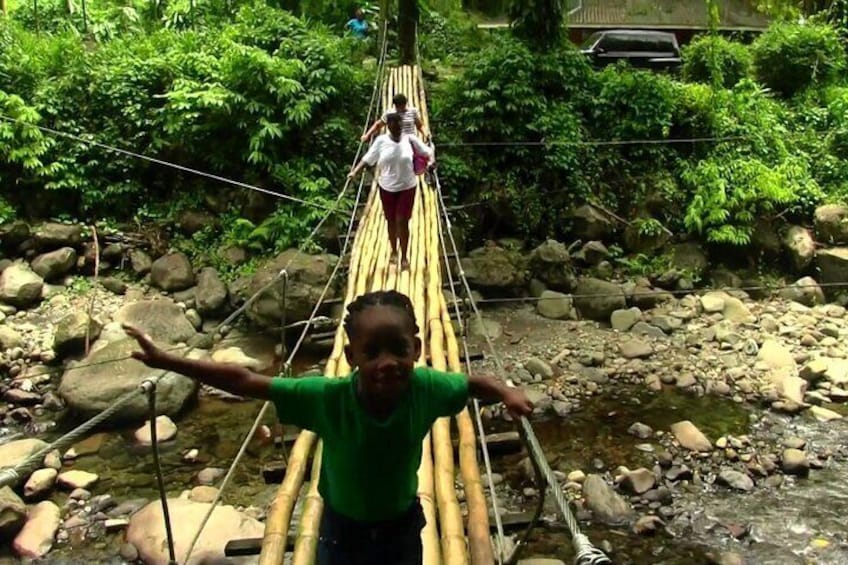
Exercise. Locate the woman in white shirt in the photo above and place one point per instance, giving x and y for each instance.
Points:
(393, 153)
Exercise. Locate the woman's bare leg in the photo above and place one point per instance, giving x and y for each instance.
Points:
(393, 239)
(403, 234)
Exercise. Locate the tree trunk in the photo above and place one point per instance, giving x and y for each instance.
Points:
(407, 28)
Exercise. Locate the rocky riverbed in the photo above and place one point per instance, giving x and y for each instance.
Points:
(685, 425)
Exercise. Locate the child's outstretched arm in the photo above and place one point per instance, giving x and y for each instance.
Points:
(231, 378)
(490, 388)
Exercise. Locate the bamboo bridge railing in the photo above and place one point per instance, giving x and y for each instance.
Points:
(446, 538)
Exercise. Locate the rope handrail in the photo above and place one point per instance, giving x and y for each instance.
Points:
(586, 553)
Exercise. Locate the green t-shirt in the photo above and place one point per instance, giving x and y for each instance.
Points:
(369, 470)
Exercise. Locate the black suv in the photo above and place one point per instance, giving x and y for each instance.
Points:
(647, 49)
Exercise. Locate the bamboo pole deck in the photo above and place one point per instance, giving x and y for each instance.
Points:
(443, 537)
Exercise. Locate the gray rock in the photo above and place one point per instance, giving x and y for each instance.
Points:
(551, 263)
(597, 299)
(71, 333)
(690, 437)
(805, 291)
(13, 513)
(163, 320)
(736, 480)
(172, 272)
(113, 285)
(485, 327)
(9, 338)
(210, 475)
(307, 276)
(636, 240)
(636, 349)
(646, 329)
(211, 293)
(831, 223)
(667, 323)
(19, 286)
(539, 367)
(800, 248)
(794, 462)
(50, 266)
(604, 502)
(108, 373)
(833, 267)
(52, 235)
(493, 267)
(623, 320)
(555, 305)
(537, 288)
(647, 525)
(640, 430)
(140, 261)
(639, 481)
(593, 253)
(646, 298)
(541, 401)
(588, 224)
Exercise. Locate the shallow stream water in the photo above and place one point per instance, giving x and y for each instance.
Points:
(801, 522)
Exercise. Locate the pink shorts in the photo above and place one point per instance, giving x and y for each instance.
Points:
(398, 205)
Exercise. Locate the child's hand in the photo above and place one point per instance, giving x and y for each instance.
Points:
(517, 403)
(150, 355)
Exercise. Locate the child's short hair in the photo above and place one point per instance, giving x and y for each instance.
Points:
(399, 100)
(378, 298)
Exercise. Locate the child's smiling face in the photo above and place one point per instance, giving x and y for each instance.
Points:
(384, 348)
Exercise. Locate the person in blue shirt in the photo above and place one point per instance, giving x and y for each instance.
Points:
(357, 25)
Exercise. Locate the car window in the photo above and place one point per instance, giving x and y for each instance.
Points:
(637, 42)
(591, 40)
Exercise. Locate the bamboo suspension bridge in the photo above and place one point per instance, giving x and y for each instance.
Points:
(449, 536)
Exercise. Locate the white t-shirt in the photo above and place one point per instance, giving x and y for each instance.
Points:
(407, 118)
(394, 158)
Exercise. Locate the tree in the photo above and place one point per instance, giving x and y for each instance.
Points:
(407, 28)
(539, 22)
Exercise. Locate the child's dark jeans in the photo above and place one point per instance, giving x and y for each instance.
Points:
(343, 541)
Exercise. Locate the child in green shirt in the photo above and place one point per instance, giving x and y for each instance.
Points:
(372, 423)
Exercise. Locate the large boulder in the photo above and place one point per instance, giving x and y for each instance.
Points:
(147, 531)
(494, 267)
(172, 272)
(831, 222)
(71, 333)
(53, 235)
(833, 268)
(140, 261)
(54, 264)
(211, 292)
(800, 247)
(597, 300)
(307, 276)
(13, 234)
(107, 373)
(551, 263)
(19, 286)
(589, 223)
(805, 291)
(163, 320)
(555, 305)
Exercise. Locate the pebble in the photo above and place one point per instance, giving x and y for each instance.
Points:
(794, 462)
(128, 552)
(77, 479)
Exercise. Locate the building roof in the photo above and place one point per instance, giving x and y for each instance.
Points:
(657, 14)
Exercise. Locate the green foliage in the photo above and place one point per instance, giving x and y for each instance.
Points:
(267, 99)
(539, 22)
(791, 57)
(731, 195)
(713, 59)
